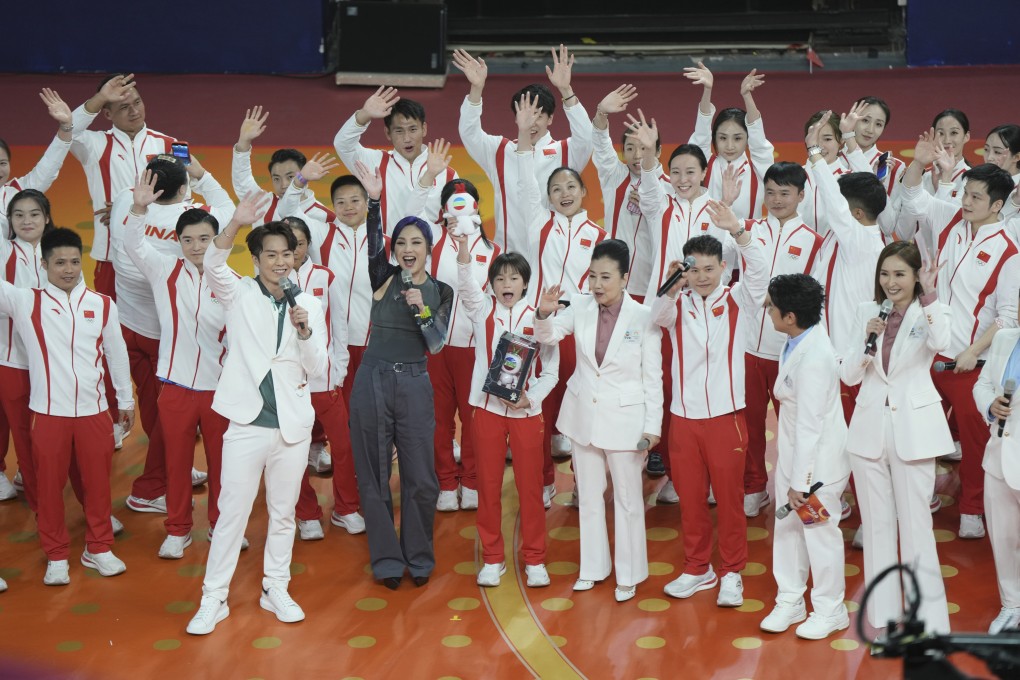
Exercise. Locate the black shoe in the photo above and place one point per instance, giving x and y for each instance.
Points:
(392, 582)
(419, 581)
(655, 467)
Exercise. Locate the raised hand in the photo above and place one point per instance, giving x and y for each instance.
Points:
(55, 106)
(617, 100)
(116, 89)
(723, 217)
(318, 166)
(528, 111)
(732, 184)
(144, 194)
(751, 82)
(473, 69)
(944, 164)
(250, 207)
(369, 179)
(699, 75)
(438, 159)
(929, 274)
(253, 125)
(641, 131)
(549, 302)
(848, 121)
(559, 74)
(927, 148)
(380, 104)
(814, 132)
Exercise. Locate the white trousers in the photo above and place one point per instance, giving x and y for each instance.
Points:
(625, 467)
(1002, 513)
(247, 451)
(893, 497)
(799, 550)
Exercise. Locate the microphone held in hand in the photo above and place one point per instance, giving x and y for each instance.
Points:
(677, 275)
(288, 288)
(784, 510)
(871, 346)
(1007, 394)
(940, 366)
(405, 278)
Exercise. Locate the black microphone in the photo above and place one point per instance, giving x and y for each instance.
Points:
(871, 346)
(940, 366)
(1007, 392)
(405, 278)
(784, 510)
(671, 281)
(287, 286)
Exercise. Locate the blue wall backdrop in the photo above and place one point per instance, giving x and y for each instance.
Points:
(950, 32)
(183, 36)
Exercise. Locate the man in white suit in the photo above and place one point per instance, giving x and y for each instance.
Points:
(1002, 472)
(812, 434)
(264, 392)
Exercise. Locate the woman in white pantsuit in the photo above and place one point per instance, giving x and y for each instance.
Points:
(897, 431)
(612, 411)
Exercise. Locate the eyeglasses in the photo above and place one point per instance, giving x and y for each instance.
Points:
(882, 169)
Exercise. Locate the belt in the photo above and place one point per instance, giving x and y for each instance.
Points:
(413, 367)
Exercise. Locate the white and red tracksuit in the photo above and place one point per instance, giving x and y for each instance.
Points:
(809, 208)
(399, 177)
(192, 347)
(562, 247)
(67, 336)
(39, 178)
(845, 268)
(139, 314)
(889, 220)
(327, 394)
(22, 268)
(494, 424)
(709, 437)
(979, 282)
(752, 166)
(790, 248)
(495, 154)
(113, 161)
(450, 370)
(951, 192)
(624, 219)
(244, 183)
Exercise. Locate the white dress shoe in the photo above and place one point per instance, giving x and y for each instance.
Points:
(279, 601)
(106, 563)
(688, 584)
(538, 575)
(57, 573)
(310, 530)
(173, 547)
(354, 523)
(624, 593)
(468, 498)
(209, 613)
(146, 505)
(754, 502)
(783, 616)
(584, 584)
(488, 575)
(447, 501)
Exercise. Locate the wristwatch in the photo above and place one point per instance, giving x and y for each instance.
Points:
(741, 232)
(812, 150)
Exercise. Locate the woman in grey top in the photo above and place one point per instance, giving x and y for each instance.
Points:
(391, 403)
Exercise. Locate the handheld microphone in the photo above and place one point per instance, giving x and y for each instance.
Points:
(671, 281)
(1008, 391)
(287, 286)
(405, 278)
(784, 510)
(871, 346)
(940, 366)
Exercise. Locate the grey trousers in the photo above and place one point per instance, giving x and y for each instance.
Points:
(392, 404)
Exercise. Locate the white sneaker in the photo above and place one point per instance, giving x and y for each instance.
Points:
(279, 601)
(819, 627)
(310, 530)
(447, 501)
(118, 526)
(7, 490)
(18, 483)
(754, 502)
(561, 446)
(244, 540)
(106, 563)
(935, 504)
(319, 459)
(548, 492)
(1009, 617)
(198, 478)
(209, 613)
(456, 450)
(688, 584)
(731, 590)
(667, 494)
(858, 542)
(573, 502)
(971, 526)
(537, 575)
(145, 505)
(489, 574)
(57, 573)
(118, 436)
(468, 498)
(711, 495)
(173, 547)
(3, 585)
(783, 616)
(957, 453)
(354, 523)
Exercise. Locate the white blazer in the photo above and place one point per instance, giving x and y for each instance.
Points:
(919, 423)
(251, 332)
(1002, 454)
(613, 405)
(812, 431)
